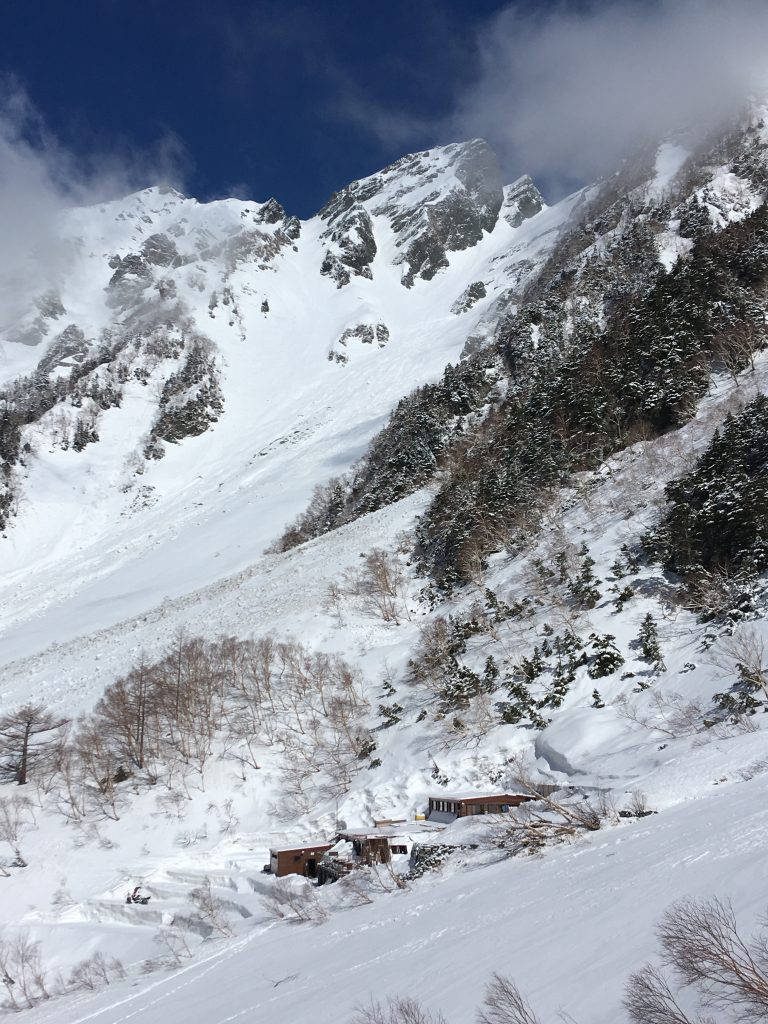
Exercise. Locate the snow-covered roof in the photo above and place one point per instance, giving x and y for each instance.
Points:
(388, 831)
(474, 796)
(296, 847)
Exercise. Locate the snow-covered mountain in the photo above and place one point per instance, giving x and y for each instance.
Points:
(229, 358)
(544, 563)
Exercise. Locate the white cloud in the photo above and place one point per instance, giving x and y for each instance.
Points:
(38, 179)
(566, 94)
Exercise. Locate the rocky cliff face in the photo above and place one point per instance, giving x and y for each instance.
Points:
(436, 202)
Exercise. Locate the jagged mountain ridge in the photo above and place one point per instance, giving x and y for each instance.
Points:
(188, 342)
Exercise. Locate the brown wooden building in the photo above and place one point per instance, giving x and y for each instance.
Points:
(297, 860)
(364, 847)
(449, 806)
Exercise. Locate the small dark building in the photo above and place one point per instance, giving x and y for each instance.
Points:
(297, 860)
(448, 806)
(369, 846)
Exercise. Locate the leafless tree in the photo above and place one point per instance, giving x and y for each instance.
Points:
(702, 947)
(396, 1010)
(127, 714)
(649, 999)
(95, 972)
(382, 585)
(295, 899)
(27, 967)
(544, 820)
(173, 947)
(16, 818)
(669, 713)
(209, 907)
(743, 654)
(6, 967)
(101, 768)
(503, 1003)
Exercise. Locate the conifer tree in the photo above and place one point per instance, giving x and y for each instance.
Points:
(648, 639)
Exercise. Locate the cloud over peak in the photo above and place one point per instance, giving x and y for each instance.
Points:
(564, 94)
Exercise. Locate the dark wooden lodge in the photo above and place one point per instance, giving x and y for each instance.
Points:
(297, 860)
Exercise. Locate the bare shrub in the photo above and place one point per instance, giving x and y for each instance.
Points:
(209, 907)
(702, 946)
(291, 901)
(503, 1003)
(638, 804)
(95, 972)
(173, 948)
(16, 818)
(669, 713)
(396, 1010)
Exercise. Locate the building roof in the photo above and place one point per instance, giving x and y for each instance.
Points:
(296, 848)
(387, 831)
(497, 797)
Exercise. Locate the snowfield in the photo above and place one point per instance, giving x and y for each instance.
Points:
(114, 557)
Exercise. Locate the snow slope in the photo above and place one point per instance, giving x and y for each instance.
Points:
(94, 575)
(102, 534)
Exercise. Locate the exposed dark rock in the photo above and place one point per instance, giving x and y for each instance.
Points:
(292, 228)
(353, 245)
(254, 246)
(132, 275)
(437, 201)
(270, 213)
(51, 306)
(166, 288)
(161, 251)
(521, 200)
(70, 347)
(471, 294)
(446, 221)
(333, 267)
(367, 333)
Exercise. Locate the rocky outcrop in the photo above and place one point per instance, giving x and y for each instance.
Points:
(438, 201)
(471, 294)
(521, 200)
(132, 274)
(160, 251)
(351, 248)
(367, 333)
(70, 347)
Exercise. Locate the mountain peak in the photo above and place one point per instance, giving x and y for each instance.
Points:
(437, 201)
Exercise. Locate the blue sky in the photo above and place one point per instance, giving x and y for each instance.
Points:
(295, 99)
(260, 98)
